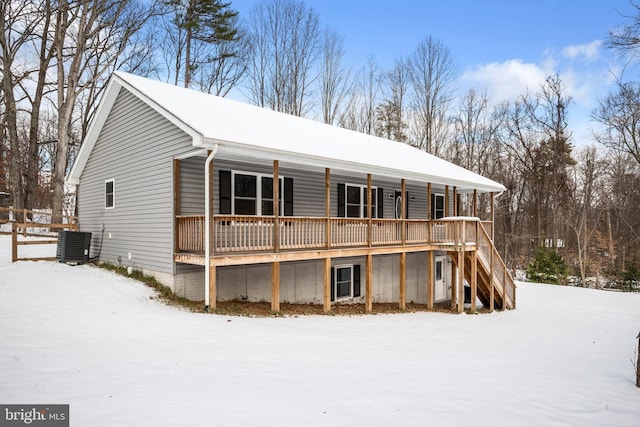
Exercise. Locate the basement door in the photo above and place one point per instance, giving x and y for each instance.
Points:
(440, 284)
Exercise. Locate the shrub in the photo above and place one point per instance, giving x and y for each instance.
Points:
(547, 267)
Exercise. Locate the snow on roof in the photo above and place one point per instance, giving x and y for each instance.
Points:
(238, 127)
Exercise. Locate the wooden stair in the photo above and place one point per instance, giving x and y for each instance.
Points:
(492, 274)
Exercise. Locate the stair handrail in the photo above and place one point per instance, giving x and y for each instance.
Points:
(508, 282)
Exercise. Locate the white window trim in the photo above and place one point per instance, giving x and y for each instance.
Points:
(335, 282)
(363, 199)
(259, 177)
(112, 180)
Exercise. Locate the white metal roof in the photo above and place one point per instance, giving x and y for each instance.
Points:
(247, 131)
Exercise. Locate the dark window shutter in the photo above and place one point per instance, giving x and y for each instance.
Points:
(288, 196)
(356, 281)
(225, 192)
(333, 284)
(406, 205)
(380, 203)
(341, 200)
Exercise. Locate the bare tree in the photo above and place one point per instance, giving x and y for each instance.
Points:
(433, 73)
(537, 136)
(104, 26)
(285, 38)
(582, 213)
(392, 114)
(475, 127)
(334, 77)
(627, 38)
(620, 114)
(360, 111)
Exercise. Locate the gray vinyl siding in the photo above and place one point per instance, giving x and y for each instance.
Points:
(135, 148)
(308, 189)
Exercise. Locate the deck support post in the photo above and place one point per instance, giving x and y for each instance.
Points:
(492, 294)
(430, 280)
(460, 284)
(275, 286)
(403, 281)
(213, 285)
(326, 288)
(474, 280)
(368, 291)
(454, 283)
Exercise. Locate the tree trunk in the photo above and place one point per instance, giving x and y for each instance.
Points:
(638, 363)
(11, 122)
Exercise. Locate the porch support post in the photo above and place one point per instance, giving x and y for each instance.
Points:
(474, 279)
(213, 284)
(368, 291)
(493, 214)
(460, 306)
(326, 292)
(403, 280)
(176, 203)
(475, 203)
(430, 280)
(403, 196)
(275, 286)
(209, 230)
(276, 206)
(459, 204)
(455, 201)
(446, 200)
(327, 207)
(369, 221)
(429, 200)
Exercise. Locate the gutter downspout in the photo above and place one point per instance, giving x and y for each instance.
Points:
(207, 225)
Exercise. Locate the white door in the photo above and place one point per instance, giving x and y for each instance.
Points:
(440, 284)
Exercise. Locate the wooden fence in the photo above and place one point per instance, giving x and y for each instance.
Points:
(39, 231)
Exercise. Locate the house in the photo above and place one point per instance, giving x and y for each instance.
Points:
(222, 200)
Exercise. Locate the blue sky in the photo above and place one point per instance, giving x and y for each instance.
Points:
(504, 46)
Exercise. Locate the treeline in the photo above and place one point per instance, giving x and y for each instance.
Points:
(56, 57)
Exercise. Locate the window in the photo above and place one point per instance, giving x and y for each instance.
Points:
(437, 206)
(345, 282)
(246, 193)
(352, 201)
(109, 194)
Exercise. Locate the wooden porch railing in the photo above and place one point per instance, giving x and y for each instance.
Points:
(234, 233)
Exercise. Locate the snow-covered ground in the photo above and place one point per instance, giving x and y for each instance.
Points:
(99, 342)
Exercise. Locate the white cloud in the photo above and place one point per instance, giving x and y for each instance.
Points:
(585, 70)
(507, 80)
(589, 51)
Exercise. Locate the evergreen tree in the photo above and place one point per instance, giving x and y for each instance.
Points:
(205, 21)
